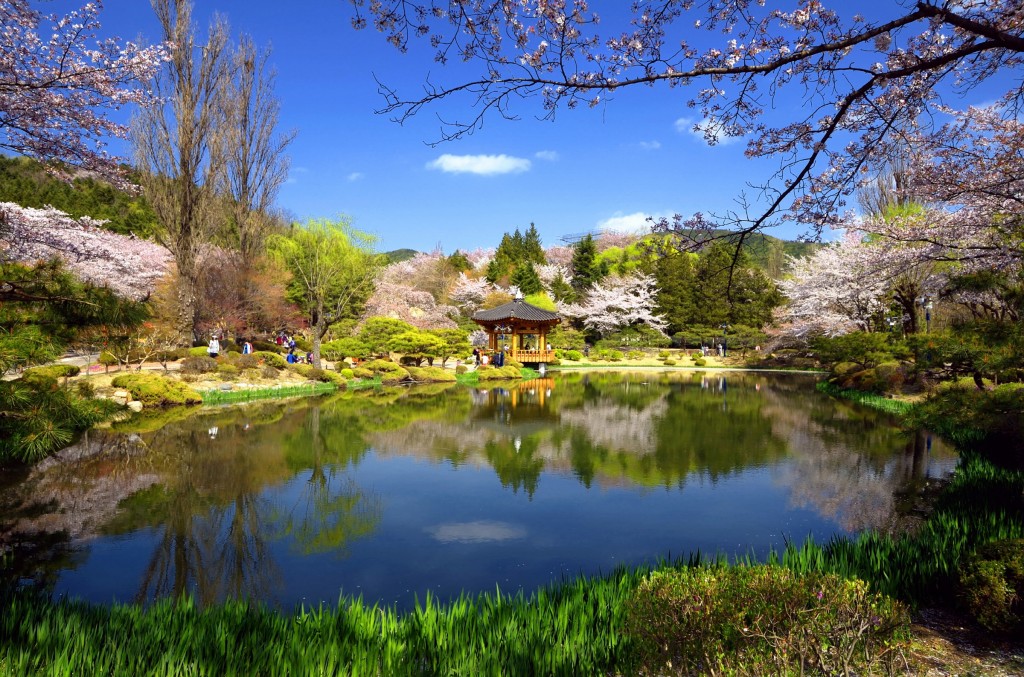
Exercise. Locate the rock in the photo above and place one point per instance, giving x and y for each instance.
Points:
(225, 386)
(122, 394)
(120, 400)
(135, 406)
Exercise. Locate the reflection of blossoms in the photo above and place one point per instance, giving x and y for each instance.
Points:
(128, 265)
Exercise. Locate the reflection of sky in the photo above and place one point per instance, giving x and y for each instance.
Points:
(481, 531)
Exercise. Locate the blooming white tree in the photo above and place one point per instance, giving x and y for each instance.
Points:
(616, 303)
(129, 266)
(469, 293)
(833, 291)
(58, 83)
(402, 302)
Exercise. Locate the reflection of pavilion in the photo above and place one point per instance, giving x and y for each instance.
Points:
(522, 408)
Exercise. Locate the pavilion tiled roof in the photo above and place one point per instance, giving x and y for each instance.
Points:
(518, 309)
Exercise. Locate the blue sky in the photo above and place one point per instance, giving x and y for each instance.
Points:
(603, 167)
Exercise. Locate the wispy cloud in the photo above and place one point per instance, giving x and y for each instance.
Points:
(354, 176)
(484, 165)
(292, 178)
(699, 130)
(649, 145)
(549, 155)
(627, 223)
(481, 531)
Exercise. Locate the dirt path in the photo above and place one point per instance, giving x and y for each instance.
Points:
(945, 645)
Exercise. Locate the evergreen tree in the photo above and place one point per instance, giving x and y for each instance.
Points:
(525, 277)
(533, 251)
(585, 270)
(561, 290)
(674, 273)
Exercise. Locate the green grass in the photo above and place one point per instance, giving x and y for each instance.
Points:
(878, 402)
(298, 390)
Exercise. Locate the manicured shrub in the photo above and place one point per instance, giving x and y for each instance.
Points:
(317, 374)
(388, 371)
(54, 371)
(362, 372)
(573, 355)
(227, 369)
(154, 390)
(265, 346)
(664, 354)
(275, 360)
(347, 373)
(431, 374)
(615, 356)
(198, 365)
(199, 351)
(509, 362)
(670, 363)
(635, 355)
(762, 620)
(499, 373)
(699, 362)
(992, 586)
(461, 369)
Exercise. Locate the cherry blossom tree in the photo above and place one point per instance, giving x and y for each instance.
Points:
(616, 303)
(833, 291)
(58, 83)
(402, 302)
(468, 293)
(127, 265)
(856, 86)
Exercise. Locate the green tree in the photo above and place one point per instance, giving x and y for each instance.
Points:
(455, 342)
(417, 345)
(332, 267)
(525, 277)
(585, 270)
(533, 251)
(675, 277)
(377, 331)
(561, 290)
(42, 310)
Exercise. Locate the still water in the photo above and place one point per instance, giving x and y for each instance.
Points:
(390, 494)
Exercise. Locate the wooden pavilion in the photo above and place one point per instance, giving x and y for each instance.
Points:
(522, 327)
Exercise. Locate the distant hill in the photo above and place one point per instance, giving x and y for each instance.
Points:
(398, 255)
(25, 182)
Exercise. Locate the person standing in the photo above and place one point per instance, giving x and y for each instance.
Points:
(247, 348)
(213, 350)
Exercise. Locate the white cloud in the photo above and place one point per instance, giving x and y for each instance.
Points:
(698, 131)
(292, 179)
(627, 223)
(549, 155)
(354, 176)
(484, 165)
(649, 145)
(481, 531)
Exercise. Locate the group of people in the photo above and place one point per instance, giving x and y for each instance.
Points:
(213, 349)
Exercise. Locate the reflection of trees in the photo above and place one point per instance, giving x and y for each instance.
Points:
(847, 464)
(332, 510)
(49, 510)
(516, 462)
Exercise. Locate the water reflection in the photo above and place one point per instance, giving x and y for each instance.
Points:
(619, 466)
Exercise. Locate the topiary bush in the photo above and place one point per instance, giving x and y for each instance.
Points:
(431, 374)
(198, 365)
(265, 346)
(635, 355)
(664, 354)
(573, 355)
(461, 369)
(53, 371)
(992, 586)
(154, 390)
(199, 351)
(699, 362)
(615, 356)
(347, 372)
(670, 363)
(227, 369)
(491, 373)
(762, 620)
(362, 372)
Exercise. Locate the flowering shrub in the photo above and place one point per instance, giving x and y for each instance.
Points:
(763, 620)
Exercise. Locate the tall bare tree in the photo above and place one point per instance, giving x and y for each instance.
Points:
(255, 164)
(178, 145)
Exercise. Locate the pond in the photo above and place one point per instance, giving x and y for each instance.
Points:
(395, 493)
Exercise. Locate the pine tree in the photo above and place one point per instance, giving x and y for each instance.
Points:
(585, 270)
(675, 297)
(525, 277)
(533, 251)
